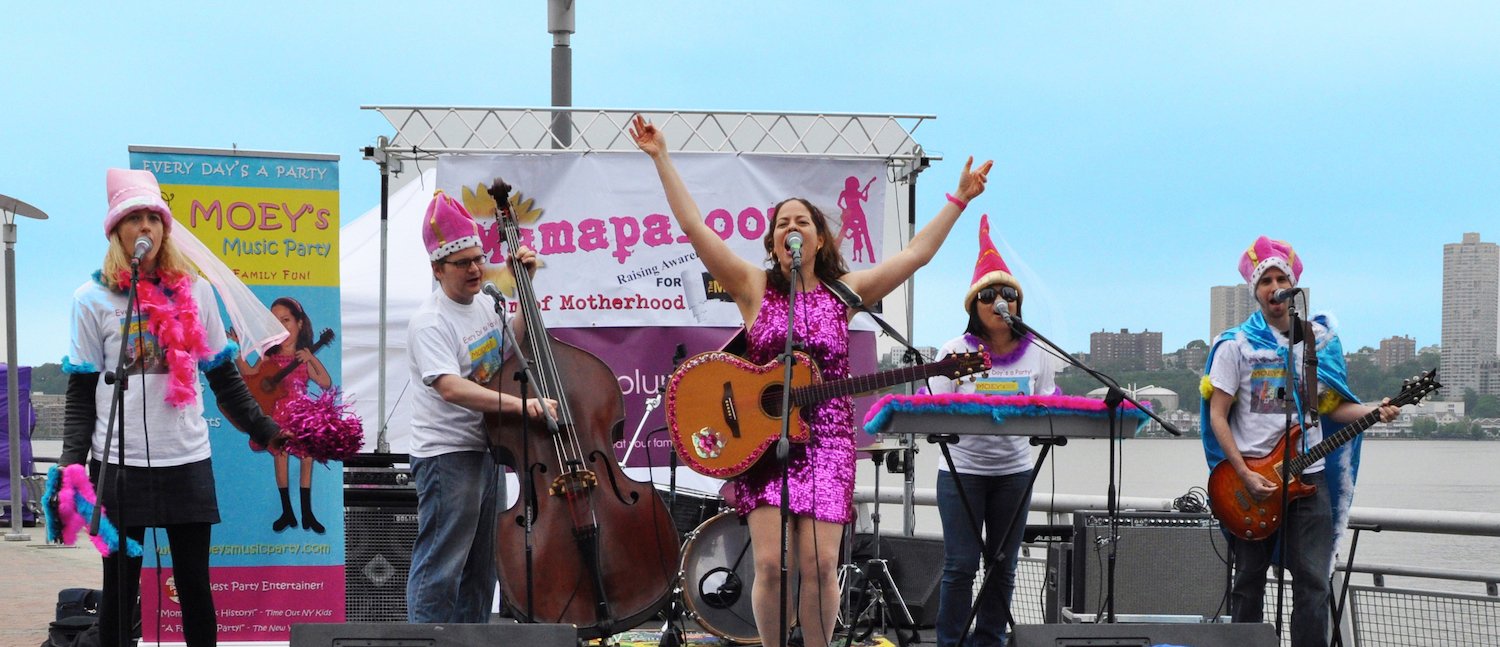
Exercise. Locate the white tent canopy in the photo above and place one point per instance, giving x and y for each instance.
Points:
(408, 282)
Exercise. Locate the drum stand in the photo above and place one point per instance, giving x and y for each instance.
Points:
(879, 595)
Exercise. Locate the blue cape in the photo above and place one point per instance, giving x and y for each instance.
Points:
(1340, 467)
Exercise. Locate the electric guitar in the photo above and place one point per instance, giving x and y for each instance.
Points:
(724, 412)
(1245, 517)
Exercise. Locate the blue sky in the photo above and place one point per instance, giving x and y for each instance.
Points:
(1139, 147)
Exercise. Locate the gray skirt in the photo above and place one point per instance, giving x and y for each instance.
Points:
(158, 496)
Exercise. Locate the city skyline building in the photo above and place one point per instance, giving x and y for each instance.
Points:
(1126, 350)
(1395, 350)
(1471, 313)
(1228, 306)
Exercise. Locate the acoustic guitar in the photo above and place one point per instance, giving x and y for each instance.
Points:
(724, 411)
(271, 389)
(1247, 518)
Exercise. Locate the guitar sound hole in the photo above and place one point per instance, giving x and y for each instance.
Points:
(770, 400)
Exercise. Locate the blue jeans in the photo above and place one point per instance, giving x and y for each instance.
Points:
(1309, 541)
(994, 500)
(453, 572)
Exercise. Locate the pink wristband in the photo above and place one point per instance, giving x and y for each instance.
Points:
(961, 204)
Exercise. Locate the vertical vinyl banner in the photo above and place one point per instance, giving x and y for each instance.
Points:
(273, 218)
(619, 278)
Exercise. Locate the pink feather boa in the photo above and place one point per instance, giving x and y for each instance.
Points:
(73, 489)
(172, 317)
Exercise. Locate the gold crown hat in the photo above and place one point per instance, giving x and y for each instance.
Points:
(989, 270)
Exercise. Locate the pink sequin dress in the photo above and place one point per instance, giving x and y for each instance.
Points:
(821, 475)
(296, 381)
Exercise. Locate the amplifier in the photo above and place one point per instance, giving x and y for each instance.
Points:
(377, 477)
(1166, 563)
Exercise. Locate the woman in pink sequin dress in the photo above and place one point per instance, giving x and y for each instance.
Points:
(821, 473)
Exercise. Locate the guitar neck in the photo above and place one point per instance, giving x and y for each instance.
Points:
(865, 383)
(1323, 449)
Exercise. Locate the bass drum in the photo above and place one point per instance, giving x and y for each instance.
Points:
(718, 573)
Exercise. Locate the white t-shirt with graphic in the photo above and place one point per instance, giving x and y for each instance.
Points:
(450, 338)
(176, 436)
(1030, 374)
(1255, 379)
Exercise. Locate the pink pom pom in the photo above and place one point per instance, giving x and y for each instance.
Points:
(321, 428)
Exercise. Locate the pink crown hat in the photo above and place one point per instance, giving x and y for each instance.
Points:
(448, 227)
(129, 190)
(989, 269)
(1265, 254)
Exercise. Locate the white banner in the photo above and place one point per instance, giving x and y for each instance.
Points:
(614, 256)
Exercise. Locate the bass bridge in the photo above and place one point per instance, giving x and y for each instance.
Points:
(576, 482)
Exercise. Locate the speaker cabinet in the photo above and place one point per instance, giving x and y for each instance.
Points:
(1144, 635)
(916, 568)
(377, 548)
(435, 635)
(1165, 564)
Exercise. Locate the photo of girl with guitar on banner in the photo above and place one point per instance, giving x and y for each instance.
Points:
(282, 376)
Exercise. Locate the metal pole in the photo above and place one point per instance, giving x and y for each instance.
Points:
(13, 409)
(560, 25)
(382, 443)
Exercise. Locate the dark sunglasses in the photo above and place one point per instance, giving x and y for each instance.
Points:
(987, 295)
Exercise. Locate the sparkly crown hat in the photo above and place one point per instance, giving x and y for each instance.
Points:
(448, 227)
(1265, 254)
(989, 270)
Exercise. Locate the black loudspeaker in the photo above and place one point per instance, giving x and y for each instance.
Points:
(1166, 563)
(419, 635)
(917, 568)
(1144, 635)
(377, 557)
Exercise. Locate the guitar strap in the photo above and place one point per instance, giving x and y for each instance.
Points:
(1309, 373)
(852, 300)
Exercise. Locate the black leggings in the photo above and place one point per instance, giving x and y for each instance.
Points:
(189, 544)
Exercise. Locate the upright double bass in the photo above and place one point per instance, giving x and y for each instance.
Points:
(603, 550)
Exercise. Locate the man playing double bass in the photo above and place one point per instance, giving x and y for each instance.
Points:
(454, 348)
(1245, 418)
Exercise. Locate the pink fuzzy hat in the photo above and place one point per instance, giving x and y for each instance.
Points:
(448, 227)
(1264, 254)
(990, 269)
(130, 190)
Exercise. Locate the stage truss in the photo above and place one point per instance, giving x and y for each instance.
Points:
(423, 133)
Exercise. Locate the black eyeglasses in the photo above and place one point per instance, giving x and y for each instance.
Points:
(1010, 294)
(477, 261)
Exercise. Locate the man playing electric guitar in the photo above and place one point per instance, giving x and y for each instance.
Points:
(1244, 417)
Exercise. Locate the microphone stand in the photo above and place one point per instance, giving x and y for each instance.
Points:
(1112, 400)
(124, 611)
(784, 445)
(1292, 398)
(524, 376)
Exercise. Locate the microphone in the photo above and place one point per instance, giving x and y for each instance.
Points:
(142, 247)
(490, 289)
(1016, 325)
(794, 245)
(1285, 294)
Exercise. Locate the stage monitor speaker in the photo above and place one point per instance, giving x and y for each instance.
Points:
(378, 541)
(917, 569)
(1145, 635)
(1166, 563)
(379, 634)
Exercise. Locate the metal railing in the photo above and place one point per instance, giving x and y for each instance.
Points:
(1377, 615)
